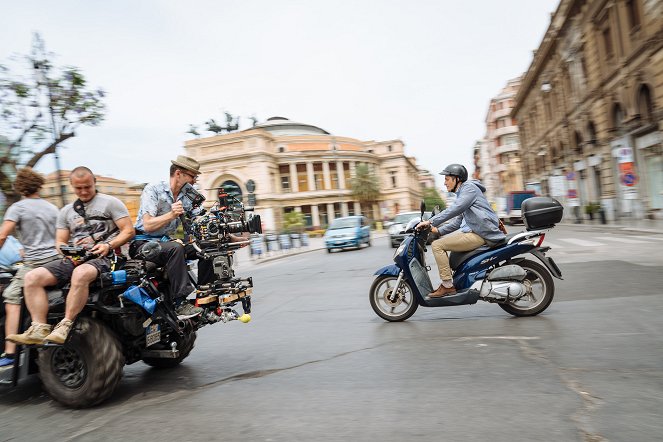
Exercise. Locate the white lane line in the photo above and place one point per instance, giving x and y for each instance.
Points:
(581, 242)
(647, 238)
(622, 240)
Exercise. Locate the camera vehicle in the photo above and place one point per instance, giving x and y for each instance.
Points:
(128, 318)
(348, 232)
(498, 274)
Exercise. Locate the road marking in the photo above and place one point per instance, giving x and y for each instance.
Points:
(654, 237)
(581, 242)
(509, 338)
(622, 240)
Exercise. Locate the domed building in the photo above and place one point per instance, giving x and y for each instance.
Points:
(281, 165)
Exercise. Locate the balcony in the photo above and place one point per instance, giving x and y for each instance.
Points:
(504, 131)
(508, 148)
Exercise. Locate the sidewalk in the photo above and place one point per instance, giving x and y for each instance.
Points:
(244, 257)
(626, 225)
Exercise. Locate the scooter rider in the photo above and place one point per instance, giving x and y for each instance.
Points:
(475, 224)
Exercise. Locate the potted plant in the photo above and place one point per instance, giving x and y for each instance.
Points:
(591, 209)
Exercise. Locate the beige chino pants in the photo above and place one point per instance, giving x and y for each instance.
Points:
(455, 242)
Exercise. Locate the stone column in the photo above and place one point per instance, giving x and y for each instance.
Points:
(341, 175)
(311, 177)
(326, 175)
(344, 209)
(294, 183)
(315, 215)
(330, 212)
(357, 208)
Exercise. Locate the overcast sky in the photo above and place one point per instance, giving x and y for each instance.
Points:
(419, 71)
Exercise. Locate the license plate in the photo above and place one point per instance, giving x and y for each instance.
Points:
(152, 334)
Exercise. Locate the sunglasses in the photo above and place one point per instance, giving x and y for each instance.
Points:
(194, 177)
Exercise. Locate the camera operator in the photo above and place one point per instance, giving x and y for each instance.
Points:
(161, 206)
(98, 223)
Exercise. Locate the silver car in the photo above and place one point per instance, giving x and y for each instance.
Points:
(397, 228)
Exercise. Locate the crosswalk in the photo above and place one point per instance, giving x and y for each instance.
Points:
(599, 241)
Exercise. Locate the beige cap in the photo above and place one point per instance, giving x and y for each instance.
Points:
(187, 163)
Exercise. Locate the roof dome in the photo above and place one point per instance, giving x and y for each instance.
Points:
(283, 126)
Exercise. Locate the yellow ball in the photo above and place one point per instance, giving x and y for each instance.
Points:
(244, 318)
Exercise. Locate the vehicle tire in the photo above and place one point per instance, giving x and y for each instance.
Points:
(542, 291)
(369, 242)
(86, 371)
(329, 251)
(184, 344)
(380, 291)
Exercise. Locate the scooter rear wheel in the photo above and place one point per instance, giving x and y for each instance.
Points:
(389, 305)
(541, 287)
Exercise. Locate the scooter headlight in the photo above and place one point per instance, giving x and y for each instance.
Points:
(399, 250)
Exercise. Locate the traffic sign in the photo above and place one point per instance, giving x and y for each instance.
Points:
(629, 179)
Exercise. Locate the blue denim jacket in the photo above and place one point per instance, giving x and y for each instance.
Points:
(472, 208)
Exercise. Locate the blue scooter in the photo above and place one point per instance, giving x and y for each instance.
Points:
(497, 274)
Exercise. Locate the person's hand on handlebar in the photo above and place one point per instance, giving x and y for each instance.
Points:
(422, 225)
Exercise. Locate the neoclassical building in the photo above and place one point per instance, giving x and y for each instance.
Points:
(590, 107)
(295, 166)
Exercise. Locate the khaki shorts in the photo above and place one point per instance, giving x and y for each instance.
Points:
(13, 292)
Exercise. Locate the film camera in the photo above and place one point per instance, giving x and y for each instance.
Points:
(227, 216)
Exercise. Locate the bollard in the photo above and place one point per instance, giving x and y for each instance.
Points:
(602, 216)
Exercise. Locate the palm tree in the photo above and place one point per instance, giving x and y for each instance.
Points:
(365, 186)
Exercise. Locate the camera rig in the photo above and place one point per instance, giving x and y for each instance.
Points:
(211, 233)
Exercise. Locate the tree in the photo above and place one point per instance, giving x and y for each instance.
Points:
(294, 222)
(40, 110)
(365, 186)
(432, 198)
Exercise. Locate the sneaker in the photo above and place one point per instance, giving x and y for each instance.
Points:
(33, 335)
(6, 360)
(187, 310)
(60, 332)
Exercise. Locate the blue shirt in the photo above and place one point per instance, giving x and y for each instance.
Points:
(156, 200)
(10, 253)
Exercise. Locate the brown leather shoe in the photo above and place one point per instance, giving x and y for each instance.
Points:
(442, 291)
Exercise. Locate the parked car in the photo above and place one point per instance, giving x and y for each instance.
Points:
(346, 232)
(397, 228)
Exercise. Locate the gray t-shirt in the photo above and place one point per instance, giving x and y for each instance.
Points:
(101, 212)
(35, 222)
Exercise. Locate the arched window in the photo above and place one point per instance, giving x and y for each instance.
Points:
(617, 117)
(232, 189)
(645, 105)
(591, 133)
(577, 147)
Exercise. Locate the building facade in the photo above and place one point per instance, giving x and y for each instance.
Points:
(503, 173)
(280, 165)
(590, 108)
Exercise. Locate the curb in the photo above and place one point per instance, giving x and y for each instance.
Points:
(302, 251)
(619, 227)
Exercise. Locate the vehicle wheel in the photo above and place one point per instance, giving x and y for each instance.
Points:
(541, 291)
(329, 251)
(184, 344)
(86, 371)
(369, 242)
(386, 305)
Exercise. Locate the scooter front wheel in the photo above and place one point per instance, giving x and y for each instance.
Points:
(392, 303)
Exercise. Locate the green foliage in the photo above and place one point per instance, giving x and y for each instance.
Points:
(39, 109)
(432, 198)
(592, 208)
(365, 185)
(294, 222)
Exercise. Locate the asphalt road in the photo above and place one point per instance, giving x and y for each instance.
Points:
(317, 364)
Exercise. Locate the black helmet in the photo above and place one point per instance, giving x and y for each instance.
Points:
(456, 170)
